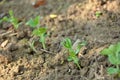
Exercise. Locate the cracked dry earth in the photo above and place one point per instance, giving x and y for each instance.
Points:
(75, 19)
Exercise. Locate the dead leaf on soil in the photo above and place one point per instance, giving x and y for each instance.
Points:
(37, 3)
(80, 54)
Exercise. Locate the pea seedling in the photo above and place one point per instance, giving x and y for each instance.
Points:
(98, 14)
(72, 53)
(13, 20)
(39, 31)
(113, 53)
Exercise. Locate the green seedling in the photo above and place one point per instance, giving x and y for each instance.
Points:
(13, 20)
(113, 53)
(41, 32)
(38, 31)
(98, 14)
(72, 53)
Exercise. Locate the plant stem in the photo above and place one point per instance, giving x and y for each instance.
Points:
(32, 46)
(117, 66)
(78, 65)
(43, 44)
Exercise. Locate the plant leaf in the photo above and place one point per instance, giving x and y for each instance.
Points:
(72, 53)
(67, 43)
(39, 32)
(112, 70)
(15, 23)
(112, 59)
(69, 58)
(118, 57)
(33, 22)
(75, 59)
(5, 19)
(42, 30)
(11, 13)
(106, 52)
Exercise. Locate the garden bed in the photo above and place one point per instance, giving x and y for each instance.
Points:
(74, 19)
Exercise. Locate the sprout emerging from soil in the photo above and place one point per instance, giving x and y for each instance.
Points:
(67, 43)
(41, 32)
(13, 20)
(98, 14)
(38, 31)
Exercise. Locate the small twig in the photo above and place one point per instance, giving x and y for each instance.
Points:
(6, 33)
(13, 34)
(46, 51)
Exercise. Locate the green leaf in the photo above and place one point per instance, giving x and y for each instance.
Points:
(118, 45)
(5, 19)
(15, 22)
(113, 48)
(112, 59)
(11, 13)
(67, 43)
(39, 32)
(98, 13)
(36, 32)
(69, 58)
(118, 57)
(76, 60)
(42, 30)
(112, 70)
(106, 52)
(118, 48)
(12, 19)
(33, 22)
(116, 53)
(72, 53)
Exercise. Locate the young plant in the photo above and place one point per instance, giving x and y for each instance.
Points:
(113, 53)
(98, 14)
(13, 20)
(72, 53)
(41, 32)
(38, 31)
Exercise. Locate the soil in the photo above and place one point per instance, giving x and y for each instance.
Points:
(75, 19)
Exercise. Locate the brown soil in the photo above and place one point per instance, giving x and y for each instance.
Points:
(75, 19)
